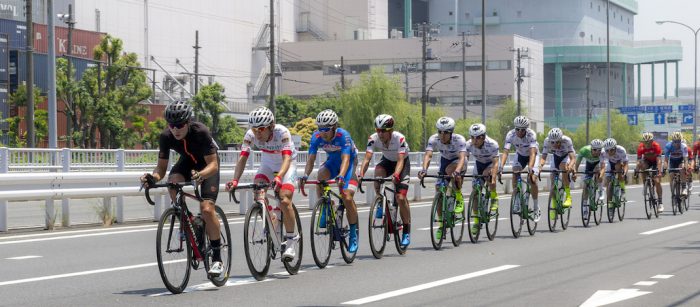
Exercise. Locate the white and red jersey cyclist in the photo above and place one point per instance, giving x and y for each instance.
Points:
(273, 150)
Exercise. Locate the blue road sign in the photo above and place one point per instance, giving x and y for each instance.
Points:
(687, 118)
(632, 119)
(686, 107)
(659, 118)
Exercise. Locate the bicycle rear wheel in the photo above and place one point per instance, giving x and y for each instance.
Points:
(225, 249)
(257, 242)
(612, 206)
(552, 210)
(586, 206)
(322, 225)
(294, 265)
(457, 229)
(398, 226)
(530, 216)
(675, 195)
(345, 238)
(516, 217)
(492, 225)
(437, 226)
(565, 218)
(648, 199)
(173, 251)
(621, 208)
(597, 210)
(377, 229)
(473, 228)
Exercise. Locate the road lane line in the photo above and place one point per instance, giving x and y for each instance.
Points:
(646, 283)
(651, 232)
(662, 276)
(23, 257)
(429, 285)
(122, 268)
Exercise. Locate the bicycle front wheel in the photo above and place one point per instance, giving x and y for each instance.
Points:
(437, 227)
(586, 206)
(457, 229)
(173, 251)
(294, 265)
(648, 199)
(675, 195)
(345, 238)
(552, 211)
(473, 223)
(257, 242)
(322, 225)
(621, 207)
(225, 248)
(377, 228)
(516, 214)
(398, 226)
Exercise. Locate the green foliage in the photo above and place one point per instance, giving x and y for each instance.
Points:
(289, 110)
(19, 98)
(230, 132)
(625, 135)
(150, 138)
(208, 107)
(304, 128)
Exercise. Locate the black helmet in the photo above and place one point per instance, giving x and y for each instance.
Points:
(178, 112)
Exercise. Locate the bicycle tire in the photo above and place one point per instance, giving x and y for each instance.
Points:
(598, 212)
(648, 199)
(530, 217)
(612, 206)
(437, 222)
(320, 236)
(516, 216)
(257, 236)
(473, 201)
(174, 285)
(294, 265)
(564, 217)
(377, 229)
(621, 208)
(552, 210)
(225, 249)
(398, 225)
(492, 224)
(675, 192)
(457, 229)
(348, 257)
(586, 214)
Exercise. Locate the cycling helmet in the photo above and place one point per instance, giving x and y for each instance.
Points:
(609, 143)
(384, 121)
(521, 122)
(326, 118)
(477, 130)
(555, 134)
(260, 117)
(676, 136)
(445, 124)
(178, 112)
(647, 136)
(596, 144)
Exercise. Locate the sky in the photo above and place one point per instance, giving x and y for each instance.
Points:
(645, 28)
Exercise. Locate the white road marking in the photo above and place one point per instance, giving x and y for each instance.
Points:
(651, 232)
(49, 277)
(646, 283)
(605, 297)
(662, 276)
(429, 285)
(23, 257)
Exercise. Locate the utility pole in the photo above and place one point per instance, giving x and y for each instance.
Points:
(607, 28)
(272, 55)
(424, 33)
(30, 77)
(342, 73)
(519, 75)
(464, 76)
(483, 61)
(405, 73)
(588, 69)
(145, 33)
(69, 111)
(51, 73)
(196, 61)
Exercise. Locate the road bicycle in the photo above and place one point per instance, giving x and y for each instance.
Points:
(479, 213)
(263, 233)
(594, 205)
(555, 204)
(442, 213)
(381, 225)
(520, 210)
(328, 228)
(182, 242)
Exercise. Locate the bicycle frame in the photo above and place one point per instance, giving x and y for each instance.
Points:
(257, 188)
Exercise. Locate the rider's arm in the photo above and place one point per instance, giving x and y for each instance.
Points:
(286, 161)
(159, 171)
(533, 157)
(344, 164)
(494, 170)
(240, 165)
(426, 158)
(504, 157)
(212, 167)
(310, 160)
(399, 164)
(365, 163)
(461, 161)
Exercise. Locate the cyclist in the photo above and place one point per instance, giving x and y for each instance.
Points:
(616, 156)
(564, 157)
(648, 157)
(524, 140)
(277, 166)
(199, 160)
(340, 165)
(696, 155)
(676, 153)
(485, 151)
(394, 161)
(592, 153)
(453, 150)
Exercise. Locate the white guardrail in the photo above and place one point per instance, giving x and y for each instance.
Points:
(63, 174)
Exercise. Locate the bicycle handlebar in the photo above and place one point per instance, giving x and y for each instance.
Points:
(254, 186)
(434, 176)
(322, 183)
(381, 180)
(170, 185)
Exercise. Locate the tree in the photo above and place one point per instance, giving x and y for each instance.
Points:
(626, 136)
(150, 138)
(208, 108)
(304, 128)
(19, 99)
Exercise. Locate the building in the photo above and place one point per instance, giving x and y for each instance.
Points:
(574, 38)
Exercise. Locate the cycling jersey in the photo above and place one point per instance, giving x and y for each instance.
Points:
(522, 145)
(696, 149)
(620, 155)
(566, 147)
(396, 146)
(486, 153)
(585, 153)
(449, 151)
(675, 152)
(649, 153)
(273, 151)
(340, 144)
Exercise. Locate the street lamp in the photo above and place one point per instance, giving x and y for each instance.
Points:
(427, 98)
(695, 75)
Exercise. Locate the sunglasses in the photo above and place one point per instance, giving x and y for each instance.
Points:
(444, 132)
(384, 130)
(677, 142)
(479, 137)
(520, 129)
(177, 126)
(324, 129)
(595, 149)
(258, 129)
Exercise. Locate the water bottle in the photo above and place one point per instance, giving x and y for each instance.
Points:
(199, 230)
(392, 211)
(450, 203)
(338, 215)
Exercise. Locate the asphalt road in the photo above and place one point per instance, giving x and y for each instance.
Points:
(636, 262)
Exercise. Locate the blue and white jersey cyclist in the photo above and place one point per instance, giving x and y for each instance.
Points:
(453, 152)
(340, 165)
(676, 156)
(524, 140)
(394, 162)
(617, 164)
(485, 152)
(564, 158)
(277, 166)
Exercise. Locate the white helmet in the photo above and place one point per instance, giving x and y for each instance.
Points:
(260, 117)
(555, 134)
(384, 121)
(326, 118)
(477, 130)
(596, 144)
(445, 124)
(609, 143)
(676, 136)
(647, 136)
(521, 122)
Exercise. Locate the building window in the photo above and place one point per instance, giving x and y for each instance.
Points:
(598, 7)
(614, 15)
(450, 13)
(591, 37)
(451, 28)
(599, 42)
(519, 13)
(302, 66)
(628, 20)
(472, 65)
